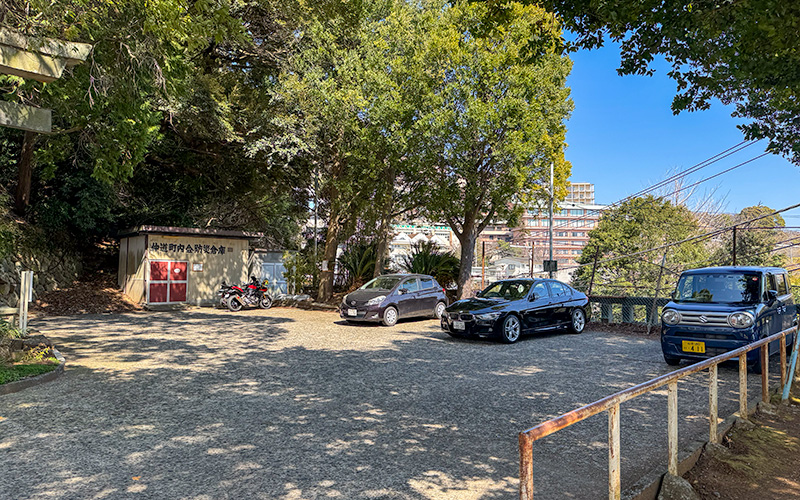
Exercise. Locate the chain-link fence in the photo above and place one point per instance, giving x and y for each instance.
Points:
(633, 288)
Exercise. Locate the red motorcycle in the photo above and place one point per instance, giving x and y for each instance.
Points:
(254, 294)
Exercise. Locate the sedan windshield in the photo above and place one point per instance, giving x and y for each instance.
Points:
(381, 283)
(720, 288)
(507, 290)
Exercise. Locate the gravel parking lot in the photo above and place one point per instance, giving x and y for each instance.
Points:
(291, 404)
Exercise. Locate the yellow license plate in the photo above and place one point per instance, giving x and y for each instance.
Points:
(689, 346)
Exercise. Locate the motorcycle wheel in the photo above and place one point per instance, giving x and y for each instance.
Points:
(234, 304)
(265, 302)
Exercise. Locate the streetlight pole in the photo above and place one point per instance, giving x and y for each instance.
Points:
(551, 219)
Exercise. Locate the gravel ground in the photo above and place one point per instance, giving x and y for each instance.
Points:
(290, 404)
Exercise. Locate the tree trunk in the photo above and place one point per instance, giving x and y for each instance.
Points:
(467, 240)
(25, 170)
(325, 291)
(383, 241)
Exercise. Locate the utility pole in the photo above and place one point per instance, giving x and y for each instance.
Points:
(483, 263)
(552, 195)
(532, 247)
(734, 245)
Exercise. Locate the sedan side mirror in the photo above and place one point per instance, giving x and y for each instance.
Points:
(532, 297)
(403, 291)
(672, 295)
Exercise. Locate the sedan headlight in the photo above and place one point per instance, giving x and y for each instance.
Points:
(671, 317)
(741, 320)
(488, 316)
(376, 300)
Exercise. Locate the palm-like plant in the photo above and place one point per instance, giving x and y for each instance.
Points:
(358, 261)
(427, 258)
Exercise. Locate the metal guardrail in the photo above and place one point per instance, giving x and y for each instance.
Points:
(612, 405)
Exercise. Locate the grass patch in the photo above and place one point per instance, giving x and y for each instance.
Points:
(12, 373)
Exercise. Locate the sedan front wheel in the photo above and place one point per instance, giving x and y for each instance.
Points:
(510, 330)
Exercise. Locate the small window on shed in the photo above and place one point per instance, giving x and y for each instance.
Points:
(426, 283)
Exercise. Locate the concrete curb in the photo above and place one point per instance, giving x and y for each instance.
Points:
(19, 385)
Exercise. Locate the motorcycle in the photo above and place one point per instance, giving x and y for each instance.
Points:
(225, 291)
(253, 294)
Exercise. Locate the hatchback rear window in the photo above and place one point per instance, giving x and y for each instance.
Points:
(425, 283)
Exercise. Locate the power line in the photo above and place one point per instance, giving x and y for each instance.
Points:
(699, 237)
(703, 164)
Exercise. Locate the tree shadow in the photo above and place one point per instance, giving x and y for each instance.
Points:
(210, 405)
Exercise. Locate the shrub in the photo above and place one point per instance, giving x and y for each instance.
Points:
(427, 258)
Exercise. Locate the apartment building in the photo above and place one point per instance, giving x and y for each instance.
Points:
(571, 225)
(580, 192)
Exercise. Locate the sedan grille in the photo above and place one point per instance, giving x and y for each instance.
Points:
(704, 318)
(461, 316)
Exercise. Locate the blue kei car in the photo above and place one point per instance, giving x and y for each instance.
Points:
(718, 309)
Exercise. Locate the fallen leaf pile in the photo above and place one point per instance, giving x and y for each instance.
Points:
(90, 295)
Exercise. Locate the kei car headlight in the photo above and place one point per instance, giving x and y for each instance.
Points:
(488, 316)
(376, 300)
(741, 320)
(671, 317)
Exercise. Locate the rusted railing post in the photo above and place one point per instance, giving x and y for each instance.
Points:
(712, 404)
(672, 427)
(525, 467)
(765, 373)
(743, 385)
(614, 481)
(783, 361)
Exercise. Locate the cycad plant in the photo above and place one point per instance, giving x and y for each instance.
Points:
(427, 258)
(358, 263)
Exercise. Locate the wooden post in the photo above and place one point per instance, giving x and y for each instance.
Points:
(672, 427)
(743, 385)
(525, 468)
(765, 373)
(652, 315)
(712, 404)
(594, 268)
(614, 481)
(783, 361)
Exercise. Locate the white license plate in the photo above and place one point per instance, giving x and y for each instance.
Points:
(458, 325)
(352, 312)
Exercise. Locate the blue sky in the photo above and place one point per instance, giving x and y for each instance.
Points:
(623, 137)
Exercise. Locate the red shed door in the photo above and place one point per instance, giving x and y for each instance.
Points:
(168, 282)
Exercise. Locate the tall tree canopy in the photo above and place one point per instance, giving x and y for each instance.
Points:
(742, 52)
(494, 118)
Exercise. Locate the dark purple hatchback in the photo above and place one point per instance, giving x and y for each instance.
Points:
(392, 297)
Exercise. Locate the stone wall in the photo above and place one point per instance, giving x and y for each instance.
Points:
(51, 270)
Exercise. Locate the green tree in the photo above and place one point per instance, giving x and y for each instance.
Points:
(754, 247)
(110, 108)
(636, 225)
(494, 118)
(740, 52)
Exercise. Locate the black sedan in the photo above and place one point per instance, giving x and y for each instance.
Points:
(506, 309)
(391, 297)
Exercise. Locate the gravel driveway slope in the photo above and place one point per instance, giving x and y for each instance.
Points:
(290, 404)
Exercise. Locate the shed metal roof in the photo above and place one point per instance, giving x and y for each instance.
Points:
(191, 231)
